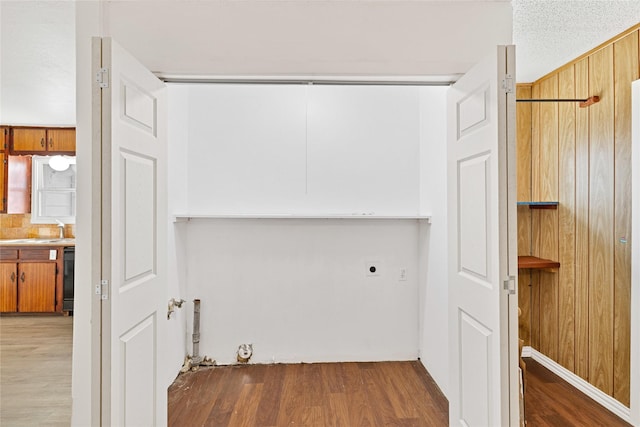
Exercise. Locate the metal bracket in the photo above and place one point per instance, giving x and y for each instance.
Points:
(507, 83)
(102, 289)
(102, 78)
(510, 285)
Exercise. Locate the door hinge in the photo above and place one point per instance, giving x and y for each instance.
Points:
(102, 78)
(103, 289)
(507, 83)
(510, 285)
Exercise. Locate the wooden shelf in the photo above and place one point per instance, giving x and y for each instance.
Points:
(534, 262)
(539, 205)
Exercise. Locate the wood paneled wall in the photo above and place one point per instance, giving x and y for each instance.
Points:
(579, 314)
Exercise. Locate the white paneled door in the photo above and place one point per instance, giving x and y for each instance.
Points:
(482, 245)
(134, 223)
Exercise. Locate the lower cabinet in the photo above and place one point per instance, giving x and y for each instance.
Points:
(28, 285)
(8, 287)
(37, 287)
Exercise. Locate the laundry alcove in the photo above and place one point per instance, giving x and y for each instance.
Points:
(284, 195)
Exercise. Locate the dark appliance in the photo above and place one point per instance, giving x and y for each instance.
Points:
(69, 260)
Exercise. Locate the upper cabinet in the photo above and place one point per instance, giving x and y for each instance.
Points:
(4, 147)
(28, 140)
(16, 147)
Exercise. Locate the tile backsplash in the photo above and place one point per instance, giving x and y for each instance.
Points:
(18, 226)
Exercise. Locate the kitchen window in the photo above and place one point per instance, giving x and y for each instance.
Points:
(53, 191)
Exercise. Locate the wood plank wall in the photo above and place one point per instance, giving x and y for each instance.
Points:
(523, 153)
(579, 315)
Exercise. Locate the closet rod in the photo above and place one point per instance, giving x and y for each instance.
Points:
(583, 102)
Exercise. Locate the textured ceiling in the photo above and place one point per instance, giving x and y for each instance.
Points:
(550, 33)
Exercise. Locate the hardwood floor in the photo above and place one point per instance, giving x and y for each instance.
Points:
(35, 389)
(552, 402)
(355, 395)
(319, 394)
(35, 370)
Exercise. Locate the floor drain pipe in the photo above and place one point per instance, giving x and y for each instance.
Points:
(196, 358)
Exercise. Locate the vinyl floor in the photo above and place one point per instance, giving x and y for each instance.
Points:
(35, 370)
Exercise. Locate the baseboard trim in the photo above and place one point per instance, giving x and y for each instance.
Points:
(591, 391)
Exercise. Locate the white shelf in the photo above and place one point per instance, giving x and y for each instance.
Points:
(188, 217)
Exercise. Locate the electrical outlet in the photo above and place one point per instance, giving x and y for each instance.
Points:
(372, 268)
(403, 275)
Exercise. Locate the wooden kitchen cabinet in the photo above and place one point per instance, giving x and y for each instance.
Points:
(36, 287)
(27, 140)
(61, 140)
(4, 154)
(30, 281)
(8, 287)
(3, 182)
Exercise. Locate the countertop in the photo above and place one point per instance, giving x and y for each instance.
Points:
(38, 242)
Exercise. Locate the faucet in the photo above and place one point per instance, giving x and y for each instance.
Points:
(61, 227)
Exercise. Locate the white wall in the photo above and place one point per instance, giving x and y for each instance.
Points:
(301, 149)
(85, 389)
(299, 291)
(434, 299)
(362, 149)
(178, 136)
(37, 72)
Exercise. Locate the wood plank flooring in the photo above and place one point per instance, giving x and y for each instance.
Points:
(355, 395)
(35, 389)
(319, 394)
(35, 370)
(552, 402)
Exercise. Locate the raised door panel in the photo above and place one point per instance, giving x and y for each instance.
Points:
(29, 139)
(37, 287)
(8, 287)
(61, 140)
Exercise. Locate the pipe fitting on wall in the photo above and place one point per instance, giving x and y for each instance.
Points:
(173, 303)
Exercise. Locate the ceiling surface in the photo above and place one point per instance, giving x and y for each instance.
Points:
(551, 33)
(279, 37)
(393, 37)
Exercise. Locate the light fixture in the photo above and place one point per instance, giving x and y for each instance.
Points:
(59, 163)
